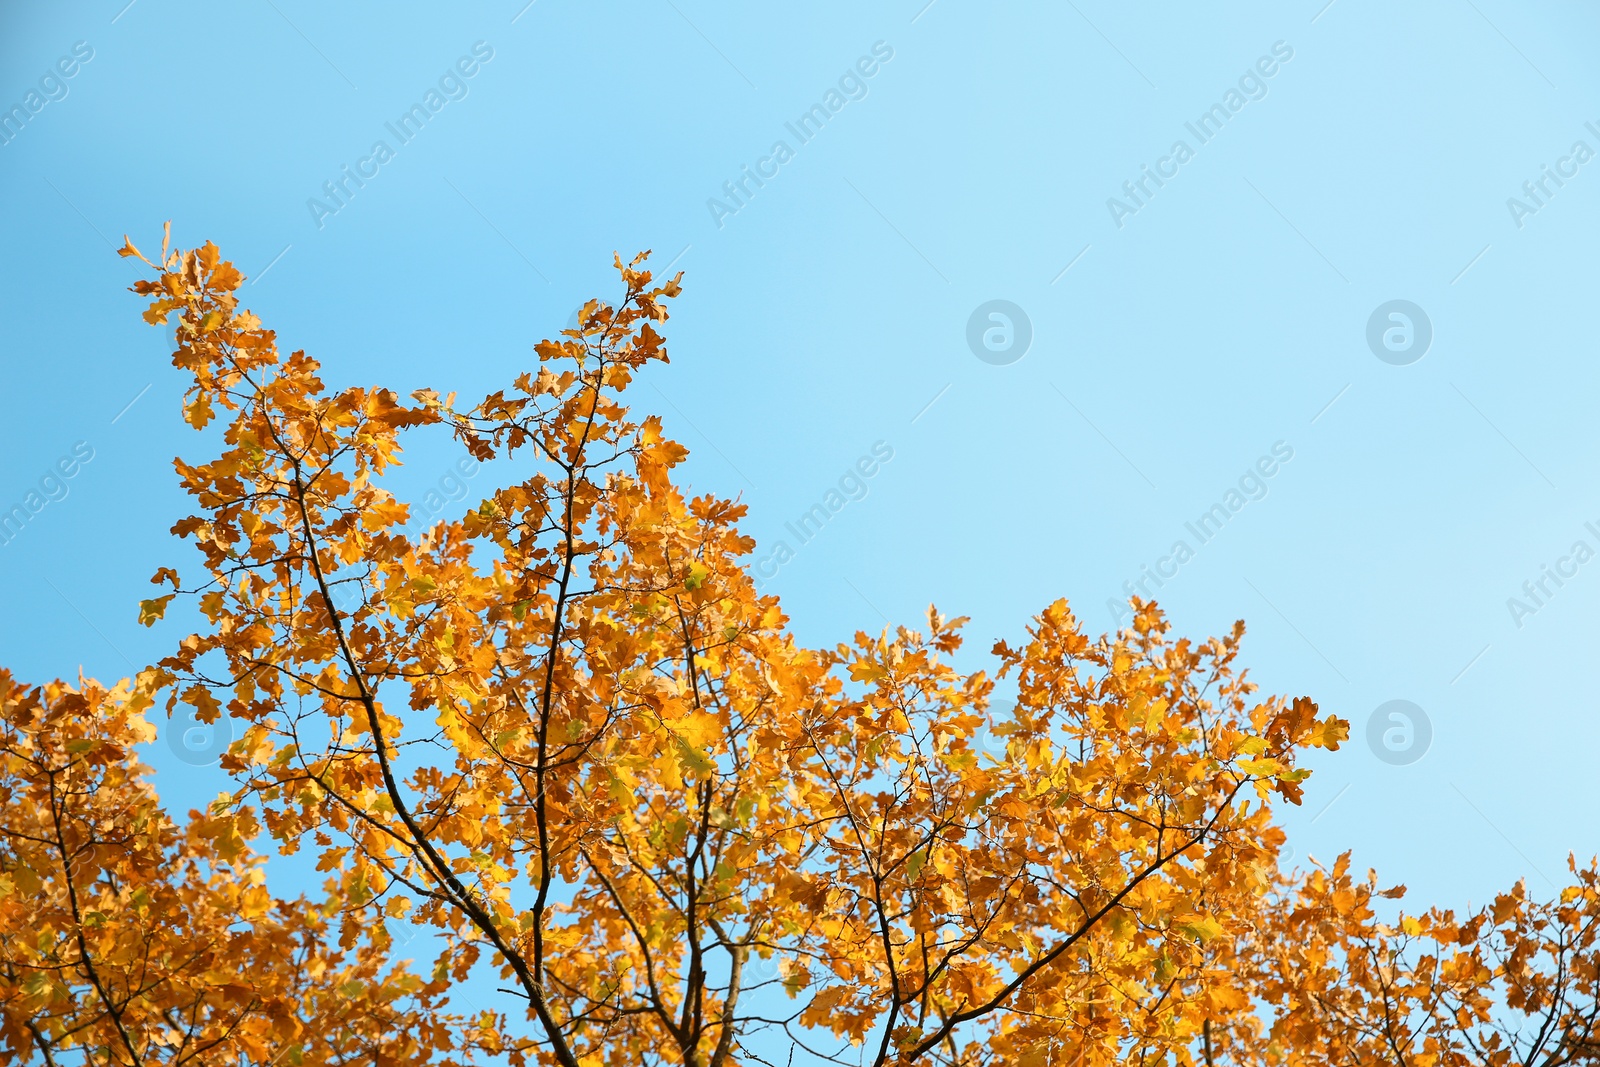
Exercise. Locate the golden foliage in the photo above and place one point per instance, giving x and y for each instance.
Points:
(565, 733)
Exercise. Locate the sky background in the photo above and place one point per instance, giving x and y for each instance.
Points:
(1173, 346)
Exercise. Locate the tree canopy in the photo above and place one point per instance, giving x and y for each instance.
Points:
(565, 734)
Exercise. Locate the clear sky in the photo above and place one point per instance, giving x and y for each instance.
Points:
(1097, 279)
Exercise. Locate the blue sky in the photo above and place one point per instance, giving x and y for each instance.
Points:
(1184, 336)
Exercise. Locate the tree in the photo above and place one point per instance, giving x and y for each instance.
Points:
(566, 734)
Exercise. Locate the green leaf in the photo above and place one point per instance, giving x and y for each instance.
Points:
(151, 610)
(1202, 928)
(796, 980)
(694, 760)
(914, 864)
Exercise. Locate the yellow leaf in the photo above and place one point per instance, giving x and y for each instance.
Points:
(1261, 767)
